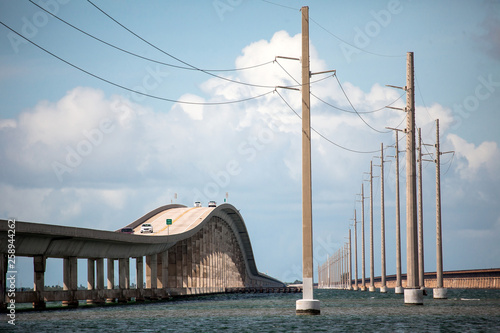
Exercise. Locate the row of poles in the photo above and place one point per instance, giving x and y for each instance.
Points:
(413, 294)
(336, 272)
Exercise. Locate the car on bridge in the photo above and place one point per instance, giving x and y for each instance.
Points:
(146, 227)
(197, 203)
(212, 204)
(127, 230)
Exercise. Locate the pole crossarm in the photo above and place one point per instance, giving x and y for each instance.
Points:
(397, 129)
(289, 58)
(397, 87)
(289, 88)
(395, 108)
(324, 72)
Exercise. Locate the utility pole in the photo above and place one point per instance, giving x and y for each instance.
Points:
(439, 292)
(399, 287)
(363, 273)
(383, 287)
(355, 252)
(372, 273)
(350, 262)
(412, 294)
(420, 216)
(307, 305)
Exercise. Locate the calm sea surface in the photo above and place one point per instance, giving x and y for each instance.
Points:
(341, 311)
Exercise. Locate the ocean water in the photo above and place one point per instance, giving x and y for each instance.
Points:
(341, 311)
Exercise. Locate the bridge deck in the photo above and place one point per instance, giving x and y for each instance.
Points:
(183, 219)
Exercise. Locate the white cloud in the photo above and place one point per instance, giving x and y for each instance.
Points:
(472, 159)
(194, 111)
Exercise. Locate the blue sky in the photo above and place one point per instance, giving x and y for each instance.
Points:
(78, 151)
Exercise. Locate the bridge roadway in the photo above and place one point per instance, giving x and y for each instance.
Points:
(205, 250)
(183, 219)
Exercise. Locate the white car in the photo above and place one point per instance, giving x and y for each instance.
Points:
(146, 227)
(212, 204)
(197, 203)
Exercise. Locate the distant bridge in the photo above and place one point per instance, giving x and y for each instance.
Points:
(203, 251)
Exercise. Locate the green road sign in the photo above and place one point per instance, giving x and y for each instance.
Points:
(169, 221)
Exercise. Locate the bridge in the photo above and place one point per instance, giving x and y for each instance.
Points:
(205, 250)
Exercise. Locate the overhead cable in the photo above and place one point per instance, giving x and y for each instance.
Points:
(336, 107)
(174, 57)
(132, 90)
(345, 94)
(324, 137)
(362, 50)
(280, 5)
(146, 58)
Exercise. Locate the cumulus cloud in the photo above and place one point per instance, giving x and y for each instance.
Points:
(474, 159)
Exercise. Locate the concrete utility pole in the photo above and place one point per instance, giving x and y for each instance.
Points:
(412, 294)
(439, 291)
(399, 288)
(420, 216)
(349, 287)
(372, 273)
(355, 252)
(383, 287)
(307, 305)
(363, 273)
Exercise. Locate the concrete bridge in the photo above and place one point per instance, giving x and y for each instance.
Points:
(204, 250)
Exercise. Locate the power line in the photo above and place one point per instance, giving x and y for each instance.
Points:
(336, 107)
(376, 130)
(146, 58)
(279, 5)
(361, 112)
(343, 41)
(132, 90)
(425, 106)
(174, 57)
(324, 137)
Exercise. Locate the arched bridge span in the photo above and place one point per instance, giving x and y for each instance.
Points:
(204, 250)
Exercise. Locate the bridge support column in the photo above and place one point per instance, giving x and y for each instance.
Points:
(111, 278)
(190, 264)
(3, 281)
(162, 271)
(178, 263)
(124, 278)
(185, 263)
(203, 258)
(172, 269)
(139, 272)
(90, 278)
(151, 273)
(212, 256)
(39, 281)
(99, 281)
(195, 262)
(70, 270)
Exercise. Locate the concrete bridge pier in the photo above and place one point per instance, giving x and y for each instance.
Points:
(3, 282)
(151, 274)
(70, 280)
(99, 283)
(90, 278)
(124, 279)
(139, 273)
(111, 278)
(39, 281)
(162, 271)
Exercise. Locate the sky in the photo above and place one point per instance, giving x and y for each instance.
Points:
(132, 105)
